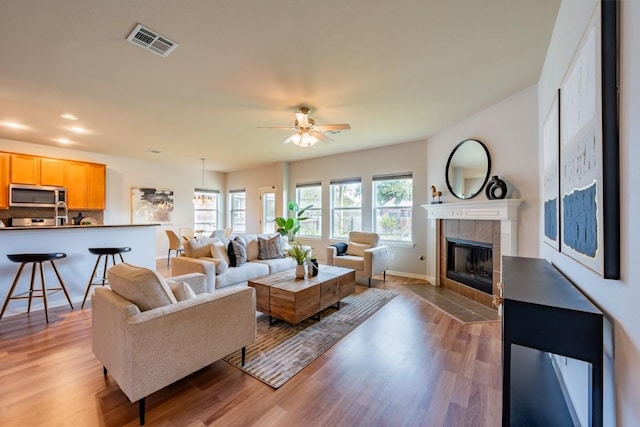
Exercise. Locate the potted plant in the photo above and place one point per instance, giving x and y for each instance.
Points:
(290, 226)
(300, 254)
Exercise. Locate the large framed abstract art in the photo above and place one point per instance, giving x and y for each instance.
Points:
(151, 206)
(551, 181)
(589, 153)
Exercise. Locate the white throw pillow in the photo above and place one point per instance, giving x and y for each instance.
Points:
(219, 250)
(182, 291)
(357, 249)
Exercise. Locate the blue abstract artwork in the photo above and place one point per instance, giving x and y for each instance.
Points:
(551, 219)
(580, 218)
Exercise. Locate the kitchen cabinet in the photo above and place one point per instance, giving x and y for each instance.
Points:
(85, 183)
(52, 171)
(25, 169)
(4, 180)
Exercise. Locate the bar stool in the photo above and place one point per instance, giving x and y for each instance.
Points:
(102, 252)
(38, 259)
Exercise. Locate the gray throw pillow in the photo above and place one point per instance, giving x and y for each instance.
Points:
(237, 253)
(269, 248)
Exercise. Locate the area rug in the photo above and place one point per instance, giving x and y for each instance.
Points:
(455, 305)
(282, 350)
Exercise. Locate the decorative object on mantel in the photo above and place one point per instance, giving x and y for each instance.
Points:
(435, 193)
(496, 189)
(468, 169)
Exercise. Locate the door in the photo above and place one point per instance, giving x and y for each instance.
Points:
(268, 209)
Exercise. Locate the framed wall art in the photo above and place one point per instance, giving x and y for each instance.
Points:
(151, 206)
(589, 156)
(551, 181)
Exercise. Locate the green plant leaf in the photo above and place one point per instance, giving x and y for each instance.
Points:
(301, 211)
(289, 224)
(292, 206)
(280, 221)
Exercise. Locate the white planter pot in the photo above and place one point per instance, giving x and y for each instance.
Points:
(300, 271)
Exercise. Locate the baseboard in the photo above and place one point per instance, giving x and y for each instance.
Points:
(411, 275)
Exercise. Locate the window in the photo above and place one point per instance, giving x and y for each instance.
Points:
(310, 194)
(393, 204)
(268, 216)
(237, 201)
(205, 211)
(346, 207)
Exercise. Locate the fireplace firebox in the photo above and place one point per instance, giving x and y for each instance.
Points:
(470, 263)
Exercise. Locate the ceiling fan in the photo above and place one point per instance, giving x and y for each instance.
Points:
(307, 132)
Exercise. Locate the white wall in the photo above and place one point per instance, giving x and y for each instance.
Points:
(619, 299)
(124, 173)
(509, 129)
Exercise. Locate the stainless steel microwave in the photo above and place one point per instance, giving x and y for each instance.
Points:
(35, 196)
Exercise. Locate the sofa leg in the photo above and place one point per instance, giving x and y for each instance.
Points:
(244, 353)
(384, 275)
(141, 410)
(369, 281)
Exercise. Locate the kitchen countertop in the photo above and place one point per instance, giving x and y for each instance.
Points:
(66, 227)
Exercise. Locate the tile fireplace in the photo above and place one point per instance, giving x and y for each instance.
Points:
(475, 235)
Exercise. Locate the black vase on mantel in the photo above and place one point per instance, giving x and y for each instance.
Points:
(496, 188)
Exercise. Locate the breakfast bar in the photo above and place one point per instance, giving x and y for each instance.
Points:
(76, 268)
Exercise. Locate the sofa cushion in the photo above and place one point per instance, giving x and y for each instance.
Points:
(366, 237)
(142, 286)
(221, 265)
(182, 291)
(237, 252)
(236, 275)
(348, 261)
(219, 250)
(357, 249)
(270, 248)
(277, 265)
(251, 243)
(196, 248)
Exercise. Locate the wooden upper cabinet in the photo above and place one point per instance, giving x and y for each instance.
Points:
(4, 180)
(53, 172)
(25, 169)
(96, 186)
(85, 186)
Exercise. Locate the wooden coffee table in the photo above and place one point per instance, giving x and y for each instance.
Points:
(282, 296)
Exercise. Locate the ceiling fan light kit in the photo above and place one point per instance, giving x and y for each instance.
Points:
(307, 132)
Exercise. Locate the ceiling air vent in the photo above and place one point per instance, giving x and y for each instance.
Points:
(152, 41)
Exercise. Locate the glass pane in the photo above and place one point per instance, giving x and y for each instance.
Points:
(346, 195)
(344, 221)
(238, 221)
(394, 223)
(310, 196)
(269, 212)
(393, 200)
(313, 226)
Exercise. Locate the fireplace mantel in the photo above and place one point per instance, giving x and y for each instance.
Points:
(505, 211)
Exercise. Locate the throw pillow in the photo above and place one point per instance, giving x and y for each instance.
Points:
(269, 248)
(143, 287)
(196, 248)
(219, 250)
(357, 249)
(237, 253)
(182, 291)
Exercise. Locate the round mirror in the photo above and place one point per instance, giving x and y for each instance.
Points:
(468, 169)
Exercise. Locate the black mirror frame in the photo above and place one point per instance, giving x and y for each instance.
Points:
(486, 178)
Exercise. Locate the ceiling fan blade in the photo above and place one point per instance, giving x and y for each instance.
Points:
(343, 126)
(321, 136)
(278, 127)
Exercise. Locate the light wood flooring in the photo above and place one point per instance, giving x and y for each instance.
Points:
(410, 364)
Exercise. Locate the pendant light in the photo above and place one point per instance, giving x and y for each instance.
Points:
(202, 199)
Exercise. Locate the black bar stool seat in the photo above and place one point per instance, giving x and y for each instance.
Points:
(103, 252)
(35, 258)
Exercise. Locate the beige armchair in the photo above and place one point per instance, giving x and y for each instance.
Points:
(364, 254)
(147, 338)
(174, 244)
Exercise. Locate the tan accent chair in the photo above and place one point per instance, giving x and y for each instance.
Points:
(364, 254)
(174, 244)
(146, 346)
(186, 233)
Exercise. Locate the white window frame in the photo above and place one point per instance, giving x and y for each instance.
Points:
(237, 228)
(407, 208)
(202, 227)
(334, 184)
(314, 212)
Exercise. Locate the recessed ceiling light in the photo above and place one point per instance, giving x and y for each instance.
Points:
(68, 116)
(13, 125)
(78, 129)
(63, 140)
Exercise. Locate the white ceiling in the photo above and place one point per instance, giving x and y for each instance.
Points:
(397, 71)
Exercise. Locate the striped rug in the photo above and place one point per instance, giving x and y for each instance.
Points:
(282, 350)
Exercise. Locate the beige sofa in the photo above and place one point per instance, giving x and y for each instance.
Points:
(364, 254)
(146, 338)
(209, 256)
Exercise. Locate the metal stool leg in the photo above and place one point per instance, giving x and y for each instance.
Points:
(64, 288)
(13, 287)
(93, 274)
(33, 276)
(44, 292)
